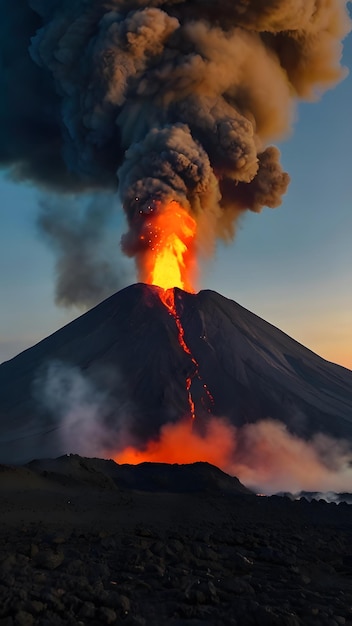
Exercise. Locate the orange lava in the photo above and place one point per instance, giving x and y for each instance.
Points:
(180, 443)
(168, 299)
(169, 260)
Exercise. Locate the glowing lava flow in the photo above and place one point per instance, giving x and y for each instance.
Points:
(167, 296)
(168, 262)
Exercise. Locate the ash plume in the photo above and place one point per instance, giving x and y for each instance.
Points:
(88, 269)
(170, 99)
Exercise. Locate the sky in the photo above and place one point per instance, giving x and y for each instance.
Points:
(291, 266)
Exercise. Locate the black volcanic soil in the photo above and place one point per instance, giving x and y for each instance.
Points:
(84, 541)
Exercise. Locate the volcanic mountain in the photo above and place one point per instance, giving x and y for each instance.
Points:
(123, 359)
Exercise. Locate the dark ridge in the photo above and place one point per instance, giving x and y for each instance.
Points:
(155, 477)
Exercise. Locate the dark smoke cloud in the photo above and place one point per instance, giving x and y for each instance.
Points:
(166, 98)
(87, 265)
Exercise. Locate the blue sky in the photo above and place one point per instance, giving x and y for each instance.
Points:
(291, 265)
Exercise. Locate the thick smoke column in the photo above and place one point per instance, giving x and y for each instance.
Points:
(171, 99)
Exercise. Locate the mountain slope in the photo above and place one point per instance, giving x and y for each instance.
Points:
(123, 359)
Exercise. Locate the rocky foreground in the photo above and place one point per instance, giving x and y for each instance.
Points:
(82, 542)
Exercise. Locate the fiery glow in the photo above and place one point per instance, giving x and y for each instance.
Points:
(167, 297)
(169, 260)
(261, 455)
(180, 443)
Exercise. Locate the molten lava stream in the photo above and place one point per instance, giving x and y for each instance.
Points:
(167, 296)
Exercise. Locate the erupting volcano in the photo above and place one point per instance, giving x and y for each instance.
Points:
(174, 107)
(166, 111)
(113, 383)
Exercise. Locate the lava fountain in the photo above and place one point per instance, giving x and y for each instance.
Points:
(169, 257)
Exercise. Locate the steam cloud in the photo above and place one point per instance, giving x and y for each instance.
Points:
(264, 455)
(81, 410)
(177, 98)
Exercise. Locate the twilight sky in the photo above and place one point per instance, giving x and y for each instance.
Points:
(291, 265)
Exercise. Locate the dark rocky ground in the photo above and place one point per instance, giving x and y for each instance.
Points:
(80, 547)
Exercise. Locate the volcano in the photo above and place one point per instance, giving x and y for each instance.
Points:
(127, 351)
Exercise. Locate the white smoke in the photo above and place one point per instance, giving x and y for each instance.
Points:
(87, 424)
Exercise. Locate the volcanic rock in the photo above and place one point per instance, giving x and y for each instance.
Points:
(123, 361)
(72, 471)
(166, 556)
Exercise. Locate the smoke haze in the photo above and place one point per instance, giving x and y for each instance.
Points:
(264, 455)
(81, 409)
(169, 99)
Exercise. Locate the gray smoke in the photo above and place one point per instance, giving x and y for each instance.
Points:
(88, 268)
(82, 411)
(167, 99)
